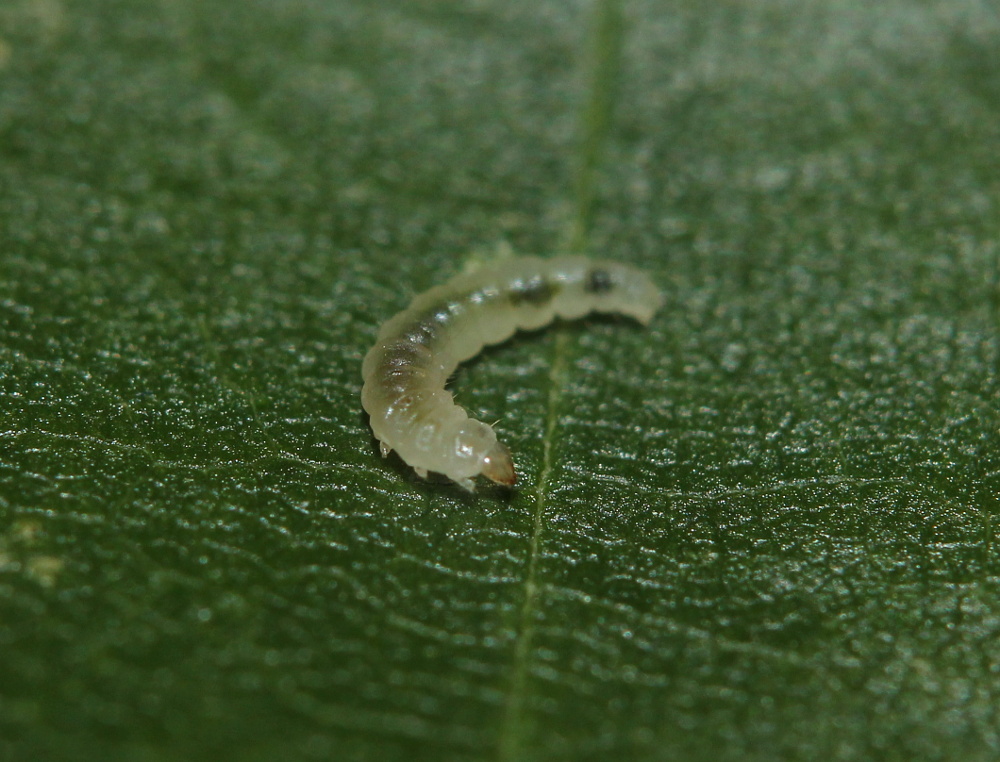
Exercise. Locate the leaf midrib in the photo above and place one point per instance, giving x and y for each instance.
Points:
(603, 56)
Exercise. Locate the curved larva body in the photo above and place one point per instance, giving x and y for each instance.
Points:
(418, 349)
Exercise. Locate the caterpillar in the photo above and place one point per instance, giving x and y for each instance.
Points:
(416, 351)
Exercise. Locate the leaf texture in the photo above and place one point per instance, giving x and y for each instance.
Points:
(761, 529)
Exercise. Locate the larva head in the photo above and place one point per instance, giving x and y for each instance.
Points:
(498, 466)
(477, 451)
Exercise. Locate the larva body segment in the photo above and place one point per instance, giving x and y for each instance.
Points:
(417, 350)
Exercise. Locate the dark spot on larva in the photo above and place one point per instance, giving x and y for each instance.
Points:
(426, 328)
(420, 333)
(598, 282)
(535, 291)
(402, 354)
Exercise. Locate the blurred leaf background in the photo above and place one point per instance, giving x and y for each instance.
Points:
(761, 529)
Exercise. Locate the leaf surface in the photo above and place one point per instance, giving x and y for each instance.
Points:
(760, 529)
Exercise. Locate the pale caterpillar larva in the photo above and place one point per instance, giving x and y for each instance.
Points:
(417, 350)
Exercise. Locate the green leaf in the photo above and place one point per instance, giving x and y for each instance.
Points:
(760, 529)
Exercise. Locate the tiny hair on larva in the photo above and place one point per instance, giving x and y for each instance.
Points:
(405, 372)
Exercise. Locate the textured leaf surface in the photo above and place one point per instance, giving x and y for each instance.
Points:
(761, 529)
